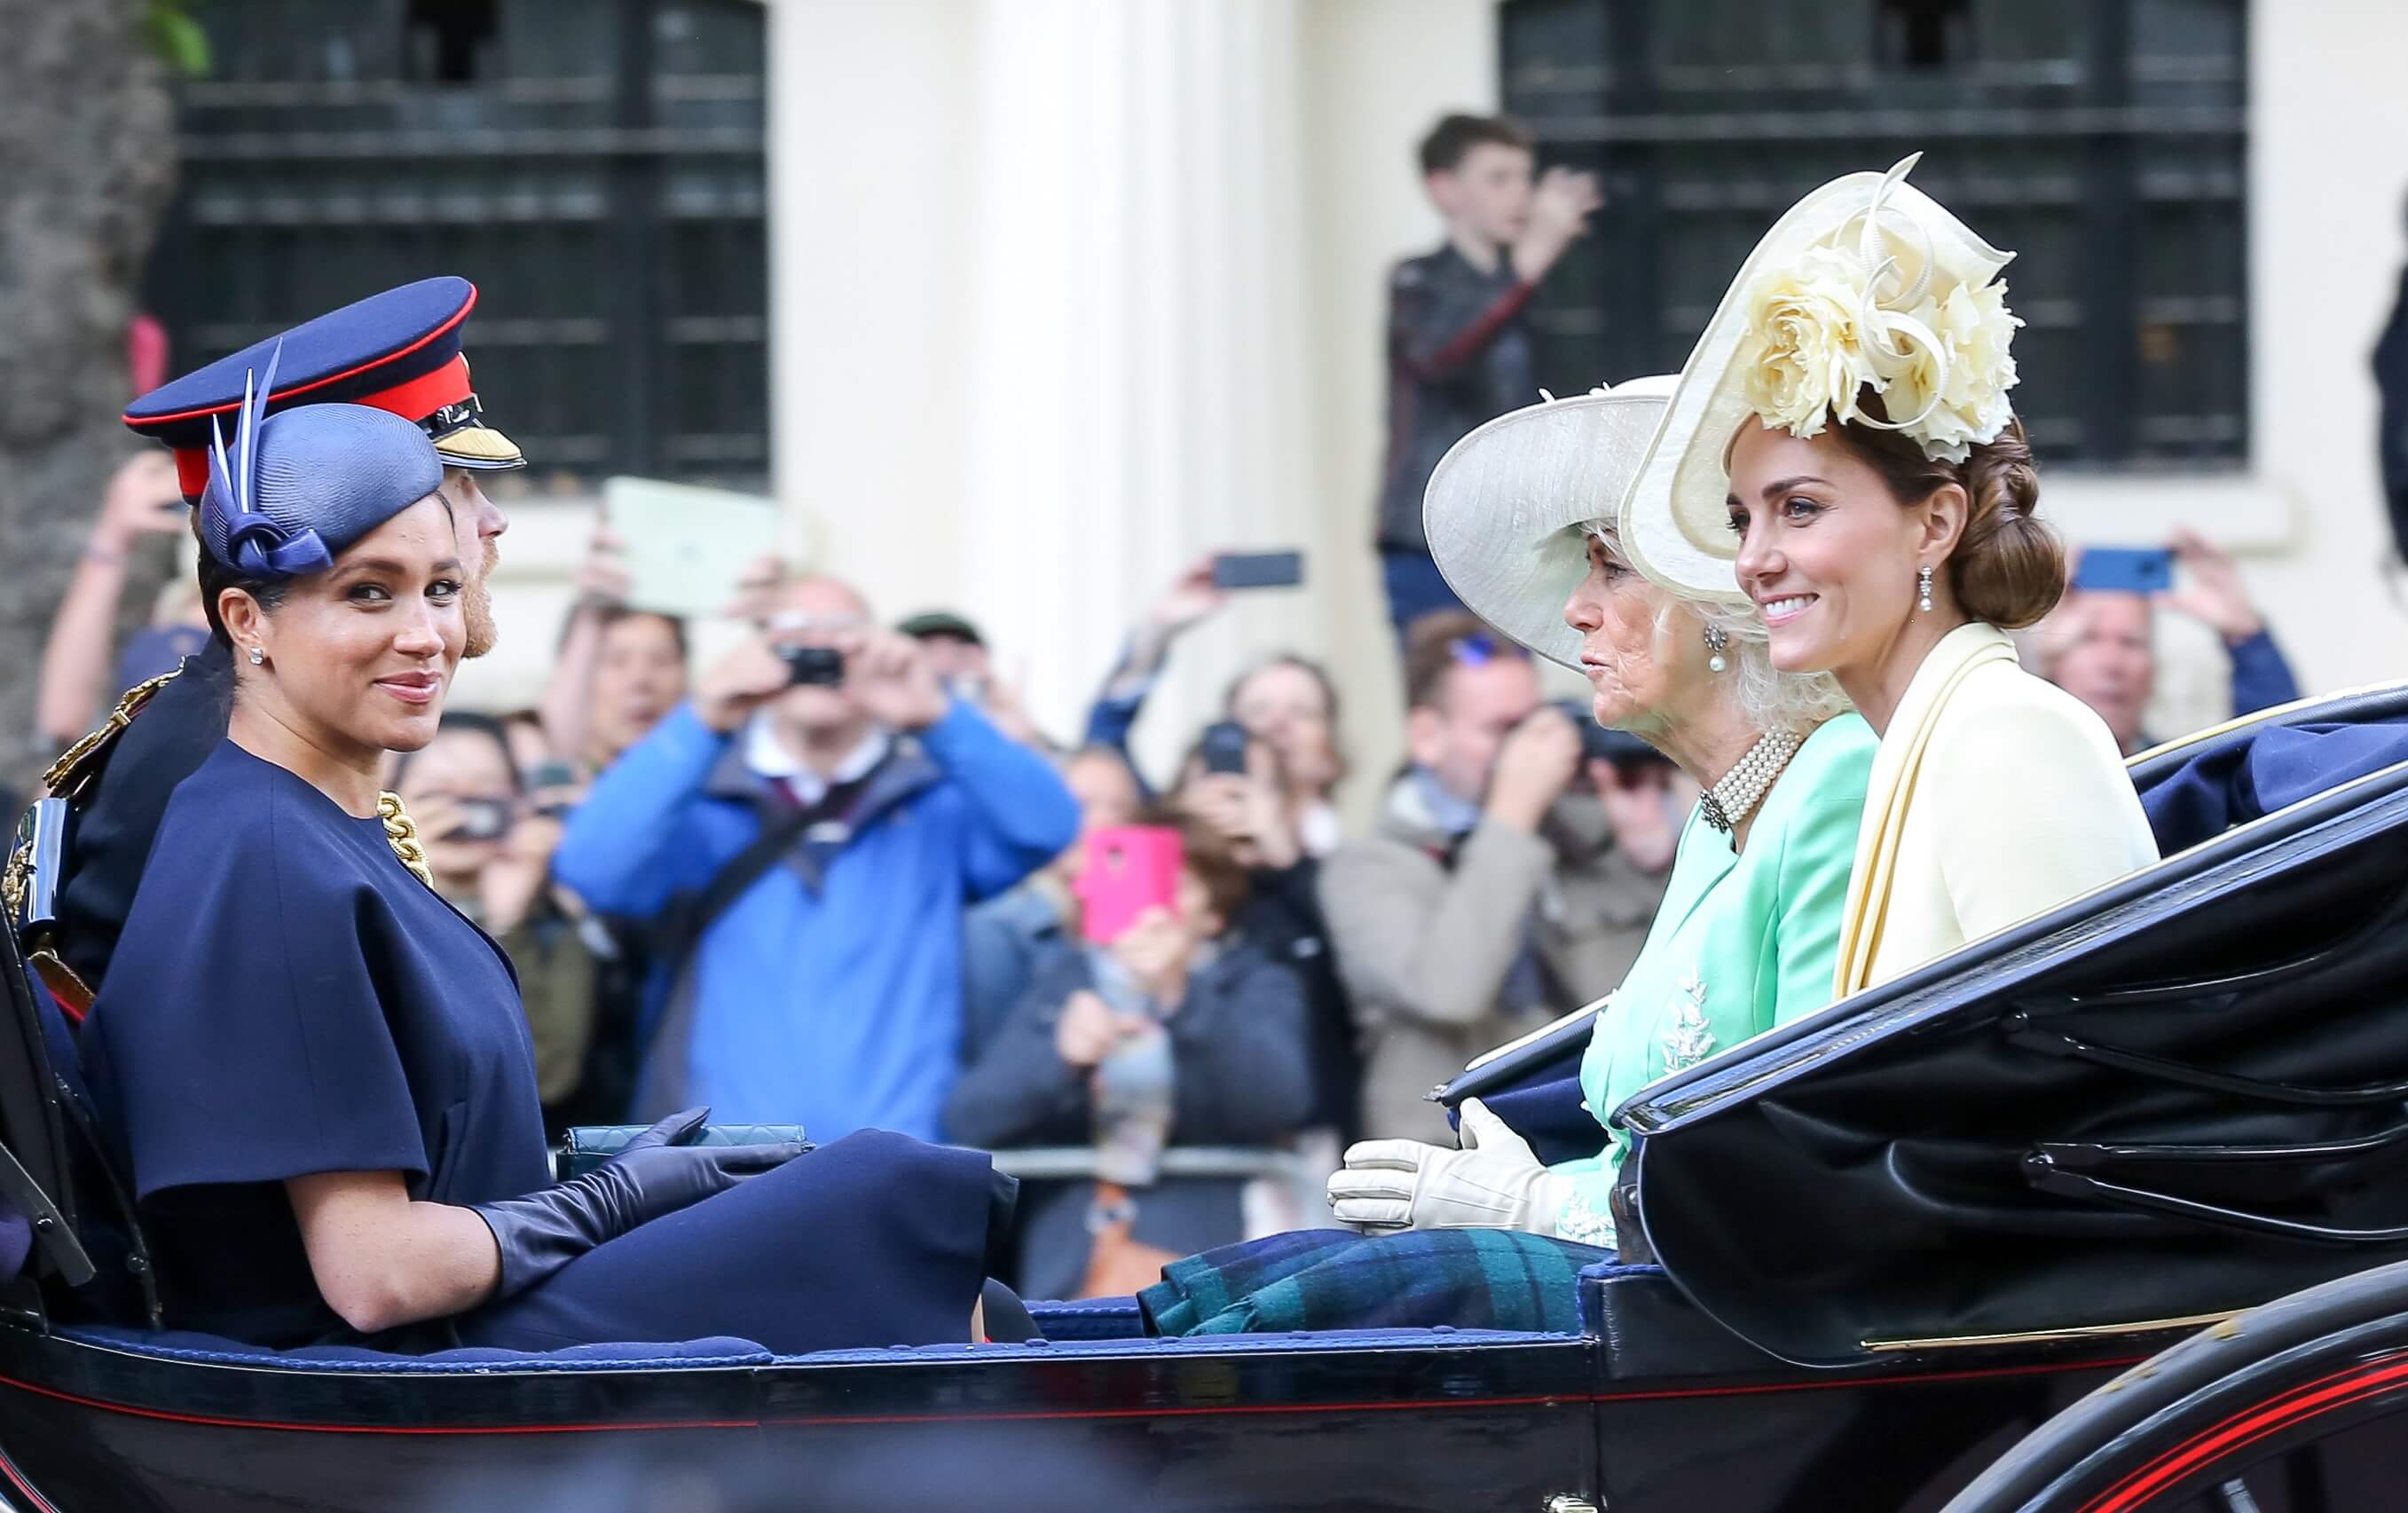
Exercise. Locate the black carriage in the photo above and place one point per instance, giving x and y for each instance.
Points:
(2106, 1213)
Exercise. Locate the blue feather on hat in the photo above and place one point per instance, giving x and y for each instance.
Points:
(305, 485)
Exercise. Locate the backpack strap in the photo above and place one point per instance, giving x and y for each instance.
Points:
(742, 870)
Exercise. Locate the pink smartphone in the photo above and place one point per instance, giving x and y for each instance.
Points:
(1128, 870)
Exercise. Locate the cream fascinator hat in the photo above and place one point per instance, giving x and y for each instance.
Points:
(1506, 505)
(1867, 282)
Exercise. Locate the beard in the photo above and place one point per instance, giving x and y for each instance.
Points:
(477, 605)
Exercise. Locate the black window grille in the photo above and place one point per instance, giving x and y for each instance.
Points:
(595, 166)
(2104, 141)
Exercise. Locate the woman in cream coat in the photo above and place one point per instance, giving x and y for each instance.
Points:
(1842, 438)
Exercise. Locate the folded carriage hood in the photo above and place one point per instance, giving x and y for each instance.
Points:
(1957, 1154)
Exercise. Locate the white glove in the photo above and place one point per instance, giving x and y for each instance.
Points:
(1495, 1182)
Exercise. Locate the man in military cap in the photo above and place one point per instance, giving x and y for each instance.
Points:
(397, 351)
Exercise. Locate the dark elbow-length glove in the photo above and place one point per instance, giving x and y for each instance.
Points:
(542, 1231)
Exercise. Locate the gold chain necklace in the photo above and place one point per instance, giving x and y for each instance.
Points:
(401, 833)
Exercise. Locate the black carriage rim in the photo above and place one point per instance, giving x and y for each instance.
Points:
(2312, 1410)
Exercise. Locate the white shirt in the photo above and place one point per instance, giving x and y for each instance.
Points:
(766, 756)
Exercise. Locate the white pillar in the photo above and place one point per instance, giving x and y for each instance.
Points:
(1067, 292)
(1136, 353)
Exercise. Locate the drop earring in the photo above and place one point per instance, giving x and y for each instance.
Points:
(258, 655)
(1717, 639)
(1923, 588)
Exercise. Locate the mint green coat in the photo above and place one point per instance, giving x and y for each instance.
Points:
(1742, 942)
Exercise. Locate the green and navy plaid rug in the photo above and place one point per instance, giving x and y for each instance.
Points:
(1338, 1279)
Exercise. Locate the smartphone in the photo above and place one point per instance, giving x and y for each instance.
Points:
(1127, 871)
(1225, 748)
(2125, 570)
(817, 666)
(1258, 569)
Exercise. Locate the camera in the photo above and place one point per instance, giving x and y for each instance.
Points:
(481, 819)
(1624, 750)
(816, 666)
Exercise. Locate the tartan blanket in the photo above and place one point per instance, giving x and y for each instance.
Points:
(1335, 1279)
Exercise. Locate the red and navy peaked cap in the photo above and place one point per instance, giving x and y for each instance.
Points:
(398, 351)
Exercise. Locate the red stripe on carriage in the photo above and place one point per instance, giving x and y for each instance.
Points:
(220, 1421)
(17, 1479)
(2313, 1399)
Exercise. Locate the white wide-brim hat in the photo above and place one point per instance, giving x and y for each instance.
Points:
(1506, 505)
(1675, 517)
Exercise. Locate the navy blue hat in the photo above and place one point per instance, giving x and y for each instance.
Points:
(398, 351)
(299, 487)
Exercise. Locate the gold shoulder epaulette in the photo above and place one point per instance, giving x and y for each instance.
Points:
(73, 769)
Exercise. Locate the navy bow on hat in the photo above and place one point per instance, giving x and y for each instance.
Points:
(254, 544)
(304, 484)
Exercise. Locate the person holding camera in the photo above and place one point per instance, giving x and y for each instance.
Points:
(807, 831)
(489, 848)
(1512, 877)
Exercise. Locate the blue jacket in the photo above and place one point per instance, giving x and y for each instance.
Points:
(830, 992)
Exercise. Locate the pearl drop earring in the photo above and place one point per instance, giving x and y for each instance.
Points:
(1923, 588)
(258, 655)
(1716, 640)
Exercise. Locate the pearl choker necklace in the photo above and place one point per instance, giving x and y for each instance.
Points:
(1728, 802)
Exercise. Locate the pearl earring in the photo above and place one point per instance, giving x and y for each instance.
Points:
(1923, 588)
(258, 655)
(1716, 640)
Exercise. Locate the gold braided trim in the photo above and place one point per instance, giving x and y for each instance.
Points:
(401, 833)
(73, 769)
(16, 880)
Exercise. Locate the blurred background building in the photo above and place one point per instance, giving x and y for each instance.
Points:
(1018, 305)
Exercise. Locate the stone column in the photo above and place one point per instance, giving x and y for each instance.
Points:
(1138, 354)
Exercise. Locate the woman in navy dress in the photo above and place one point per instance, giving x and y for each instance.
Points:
(319, 1074)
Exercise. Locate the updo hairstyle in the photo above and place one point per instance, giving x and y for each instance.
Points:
(2008, 566)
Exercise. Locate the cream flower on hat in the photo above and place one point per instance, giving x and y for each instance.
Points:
(1870, 308)
(1809, 326)
(1865, 286)
(1962, 399)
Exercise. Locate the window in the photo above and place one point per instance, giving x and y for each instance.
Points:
(2104, 141)
(594, 166)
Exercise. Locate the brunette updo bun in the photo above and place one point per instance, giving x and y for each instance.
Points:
(2008, 568)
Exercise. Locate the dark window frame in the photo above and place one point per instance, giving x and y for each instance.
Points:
(601, 176)
(2110, 152)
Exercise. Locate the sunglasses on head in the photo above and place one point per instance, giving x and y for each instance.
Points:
(1480, 648)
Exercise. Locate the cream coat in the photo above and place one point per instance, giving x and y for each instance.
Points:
(1995, 797)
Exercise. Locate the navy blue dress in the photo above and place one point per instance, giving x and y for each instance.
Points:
(287, 999)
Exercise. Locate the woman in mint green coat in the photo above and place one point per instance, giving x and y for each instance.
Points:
(1745, 939)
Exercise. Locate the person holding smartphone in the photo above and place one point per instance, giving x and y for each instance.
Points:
(1287, 699)
(143, 500)
(489, 848)
(2099, 644)
(1168, 1029)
